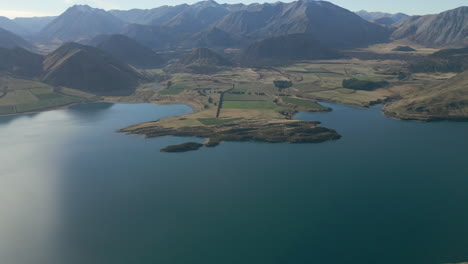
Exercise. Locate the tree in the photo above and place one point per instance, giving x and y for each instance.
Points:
(282, 84)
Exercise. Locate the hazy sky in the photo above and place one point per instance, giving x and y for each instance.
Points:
(15, 8)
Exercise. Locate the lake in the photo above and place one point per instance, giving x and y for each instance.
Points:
(74, 191)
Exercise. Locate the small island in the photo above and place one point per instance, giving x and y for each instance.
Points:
(190, 146)
(279, 131)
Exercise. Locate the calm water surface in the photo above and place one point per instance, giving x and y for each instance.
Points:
(73, 191)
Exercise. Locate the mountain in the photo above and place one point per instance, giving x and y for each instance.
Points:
(88, 68)
(10, 40)
(199, 61)
(156, 37)
(12, 26)
(81, 21)
(212, 38)
(20, 62)
(449, 60)
(373, 16)
(34, 24)
(447, 100)
(333, 25)
(287, 48)
(449, 28)
(128, 50)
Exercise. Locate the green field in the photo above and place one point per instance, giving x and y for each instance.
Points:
(303, 102)
(216, 121)
(27, 96)
(47, 101)
(317, 70)
(252, 105)
(244, 97)
(7, 109)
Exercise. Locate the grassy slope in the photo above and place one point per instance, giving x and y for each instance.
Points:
(445, 100)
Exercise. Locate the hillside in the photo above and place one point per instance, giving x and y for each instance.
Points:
(448, 28)
(199, 61)
(90, 69)
(445, 100)
(212, 38)
(128, 50)
(287, 48)
(20, 62)
(81, 21)
(156, 37)
(333, 25)
(449, 60)
(10, 40)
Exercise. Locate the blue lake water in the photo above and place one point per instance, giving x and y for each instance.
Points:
(75, 191)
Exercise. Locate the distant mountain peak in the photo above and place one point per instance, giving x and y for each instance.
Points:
(205, 4)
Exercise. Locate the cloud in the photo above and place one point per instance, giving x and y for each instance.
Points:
(12, 13)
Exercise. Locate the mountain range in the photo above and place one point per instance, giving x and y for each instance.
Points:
(214, 25)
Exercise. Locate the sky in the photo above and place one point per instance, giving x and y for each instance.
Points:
(28, 8)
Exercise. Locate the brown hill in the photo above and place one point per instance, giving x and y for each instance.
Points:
(89, 69)
(448, 60)
(447, 100)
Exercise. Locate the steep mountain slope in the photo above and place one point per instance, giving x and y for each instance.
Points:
(287, 48)
(89, 69)
(449, 28)
(81, 21)
(12, 26)
(212, 38)
(128, 50)
(34, 24)
(372, 16)
(10, 40)
(199, 61)
(156, 37)
(331, 24)
(446, 100)
(20, 62)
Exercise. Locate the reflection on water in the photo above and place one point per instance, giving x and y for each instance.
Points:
(73, 191)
